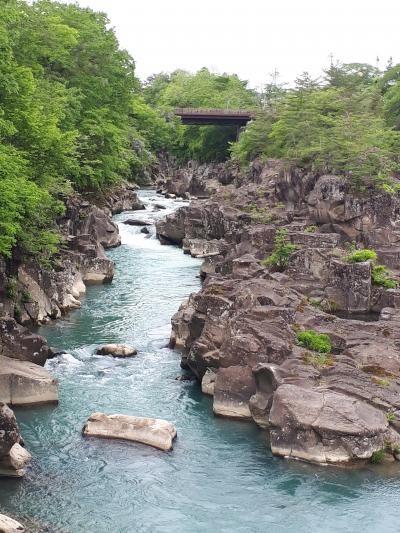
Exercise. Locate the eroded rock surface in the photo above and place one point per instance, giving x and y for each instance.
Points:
(238, 334)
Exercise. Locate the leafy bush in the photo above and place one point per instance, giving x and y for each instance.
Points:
(360, 256)
(328, 306)
(391, 417)
(311, 229)
(282, 251)
(378, 456)
(318, 342)
(260, 215)
(318, 360)
(380, 276)
(11, 288)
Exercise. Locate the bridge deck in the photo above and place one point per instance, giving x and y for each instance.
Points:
(191, 115)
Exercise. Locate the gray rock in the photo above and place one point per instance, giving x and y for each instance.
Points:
(117, 350)
(25, 383)
(151, 431)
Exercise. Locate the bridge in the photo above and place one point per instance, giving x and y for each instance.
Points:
(225, 117)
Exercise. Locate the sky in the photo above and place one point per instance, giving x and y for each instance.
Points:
(253, 38)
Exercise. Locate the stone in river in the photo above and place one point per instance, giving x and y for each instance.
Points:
(151, 431)
(9, 525)
(117, 350)
(145, 230)
(14, 464)
(24, 383)
(133, 222)
(159, 206)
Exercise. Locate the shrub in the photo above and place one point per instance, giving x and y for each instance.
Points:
(318, 360)
(328, 306)
(26, 296)
(378, 456)
(282, 251)
(391, 417)
(318, 342)
(311, 229)
(17, 312)
(11, 288)
(259, 214)
(380, 276)
(360, 256)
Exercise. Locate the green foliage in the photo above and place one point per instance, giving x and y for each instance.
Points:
(17, 312)
(360, 256)
(26, 296)
(348, 125)
(381, 276)
(378, 456)
(261, 215)
(391, 417)
(328, 306)
(318, 342)
(71, 116)
(282, 251)
(311, 229)
(200, 90)
(11, 288)
(318, 360)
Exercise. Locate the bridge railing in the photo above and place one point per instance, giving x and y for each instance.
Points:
(191, 111)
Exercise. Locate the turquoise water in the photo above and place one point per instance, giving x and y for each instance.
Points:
(220, 477)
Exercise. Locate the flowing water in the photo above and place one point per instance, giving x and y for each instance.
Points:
(220, 477)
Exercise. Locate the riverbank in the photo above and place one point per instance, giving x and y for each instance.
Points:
(221, 475)
(284, 250)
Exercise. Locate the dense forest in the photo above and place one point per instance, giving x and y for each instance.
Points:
(75, 117)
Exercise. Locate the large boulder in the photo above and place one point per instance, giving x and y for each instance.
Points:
(323, 426)
(15, 463)
(9, 432)
(13, 458)
(233, 389)
(17, 342)
(24, 383)
(151, 431)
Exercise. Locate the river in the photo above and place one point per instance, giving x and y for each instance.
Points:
(220, 477)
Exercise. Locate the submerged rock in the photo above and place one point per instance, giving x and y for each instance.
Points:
(117, 350)
(24, 383)
(133, 222)
(151, 431)
(9, 525)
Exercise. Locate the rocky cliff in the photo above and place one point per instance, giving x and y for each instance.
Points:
(243, 333)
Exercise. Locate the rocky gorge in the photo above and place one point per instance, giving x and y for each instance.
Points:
(243, 336)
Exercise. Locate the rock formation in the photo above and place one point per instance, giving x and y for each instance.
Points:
(240, 333)
(117, 350)
(151, 431)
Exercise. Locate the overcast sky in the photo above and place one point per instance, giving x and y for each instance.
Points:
(253, 37)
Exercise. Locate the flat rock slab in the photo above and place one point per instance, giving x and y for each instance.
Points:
(25, 383)
(151, 431)
(9, 525)
(117, 350)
